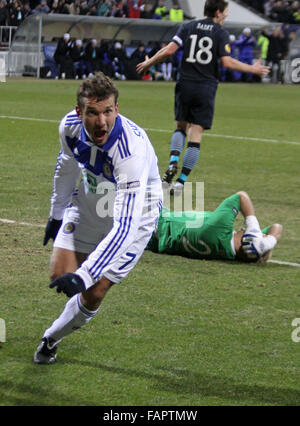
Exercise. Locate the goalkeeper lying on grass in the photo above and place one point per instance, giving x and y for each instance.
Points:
(210, 235)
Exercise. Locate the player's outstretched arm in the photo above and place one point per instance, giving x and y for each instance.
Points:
(161, 55)
(257, 68)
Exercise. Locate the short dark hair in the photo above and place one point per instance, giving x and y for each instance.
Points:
(211, 6)
(100, 87)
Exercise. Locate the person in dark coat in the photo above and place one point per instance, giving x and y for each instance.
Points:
(62, 57)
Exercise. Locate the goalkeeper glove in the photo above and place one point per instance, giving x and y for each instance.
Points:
(253, 245)
(252, 226)
(51, 230)
(70, 284)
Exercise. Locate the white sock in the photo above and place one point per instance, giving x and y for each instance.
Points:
(73, 317)
(252, 225)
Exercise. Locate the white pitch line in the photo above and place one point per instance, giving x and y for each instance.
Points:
(245, 138)
(13, 117)
(280, 262)
(21, 223)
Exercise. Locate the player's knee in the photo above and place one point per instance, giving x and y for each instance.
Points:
(181, 127)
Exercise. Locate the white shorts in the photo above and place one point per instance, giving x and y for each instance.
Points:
(82, 233)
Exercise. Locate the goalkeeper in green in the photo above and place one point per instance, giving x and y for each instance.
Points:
(211, 235)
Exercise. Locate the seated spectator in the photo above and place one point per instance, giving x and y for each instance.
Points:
(70, 7)
(118, 57)
(139, 55)
(105, 8)
(119, 9)
(296, 12)
(74, 7)
(92, 10)
(92, 57)
(45, 7)
(54, 7)
(161, 11)
(4, 15)
(16, 13)
(62, 57)
(27, 9)
(77, 55)
(38, 9)
(41, 7)
(84, 7)
(105, 60)
(63, 7)
(280, 12)
(176, 13)
(147, 12)
(134, 8)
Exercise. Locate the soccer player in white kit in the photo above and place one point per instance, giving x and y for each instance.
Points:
(101, 225)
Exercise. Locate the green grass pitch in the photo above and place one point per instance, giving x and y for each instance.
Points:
(176, 331)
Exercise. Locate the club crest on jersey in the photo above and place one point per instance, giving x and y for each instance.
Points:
(69, 228)
(107, 170)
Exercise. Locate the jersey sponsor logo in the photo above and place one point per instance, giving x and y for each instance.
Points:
(90, 182)
(69, 228)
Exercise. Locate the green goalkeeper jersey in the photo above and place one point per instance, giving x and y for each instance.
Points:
(199, 235)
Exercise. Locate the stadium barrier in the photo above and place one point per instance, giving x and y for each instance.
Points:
(6, 35)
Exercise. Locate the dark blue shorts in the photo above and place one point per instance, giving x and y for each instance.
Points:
(195, 102)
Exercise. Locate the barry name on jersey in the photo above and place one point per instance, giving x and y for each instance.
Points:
(205, 27)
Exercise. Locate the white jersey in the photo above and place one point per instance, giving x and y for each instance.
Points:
(123, 172)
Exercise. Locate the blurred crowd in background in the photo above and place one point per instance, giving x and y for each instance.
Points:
(287, 11)
(13, 12)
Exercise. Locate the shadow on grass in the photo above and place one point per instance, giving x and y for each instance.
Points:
(181, 382)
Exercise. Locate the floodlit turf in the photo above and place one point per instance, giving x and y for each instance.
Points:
(176, 331)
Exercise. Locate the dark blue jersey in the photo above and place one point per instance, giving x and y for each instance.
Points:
(203, 43)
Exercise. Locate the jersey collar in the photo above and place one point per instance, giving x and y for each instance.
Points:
(112, 138)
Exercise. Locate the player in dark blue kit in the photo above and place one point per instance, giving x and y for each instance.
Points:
(204, 43)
